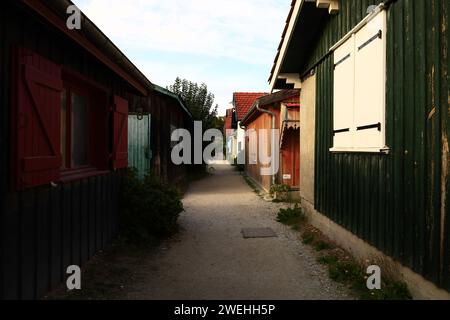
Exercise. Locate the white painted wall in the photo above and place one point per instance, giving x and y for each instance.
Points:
(240, 141)
(307, 138)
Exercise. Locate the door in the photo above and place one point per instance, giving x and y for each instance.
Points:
(139, 143)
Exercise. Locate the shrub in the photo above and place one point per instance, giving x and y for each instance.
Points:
(291, 216)
(151, 208)
(280, 191)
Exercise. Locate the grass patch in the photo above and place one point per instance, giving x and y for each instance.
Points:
(250, 183)
(341, 266)
(292, 216)
(328, 260)
(322, 245)
(350, 272)
(308, 238)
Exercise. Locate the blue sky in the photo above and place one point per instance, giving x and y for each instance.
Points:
(230, 45)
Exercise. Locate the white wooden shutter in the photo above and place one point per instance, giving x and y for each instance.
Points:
(343, 95)
(370, 84)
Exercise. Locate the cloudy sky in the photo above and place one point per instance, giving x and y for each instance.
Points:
(230, 45)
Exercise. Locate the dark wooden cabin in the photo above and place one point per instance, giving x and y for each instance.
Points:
(374, 117)
(65, 98)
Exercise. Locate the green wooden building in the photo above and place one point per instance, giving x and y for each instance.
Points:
(375, 111)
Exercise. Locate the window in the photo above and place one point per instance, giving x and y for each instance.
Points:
(360, 87)
(85, 128)
(65, 126)
(74, 128)
(79, 130)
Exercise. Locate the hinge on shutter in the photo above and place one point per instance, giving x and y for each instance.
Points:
(341, 131)
(379, 35)
(370, 126)
(342, 60)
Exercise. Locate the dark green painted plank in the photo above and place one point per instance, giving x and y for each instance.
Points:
(392, 201)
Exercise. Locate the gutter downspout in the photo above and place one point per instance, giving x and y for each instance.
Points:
(273, 137)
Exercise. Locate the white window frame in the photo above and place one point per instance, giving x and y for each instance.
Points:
(351, 140)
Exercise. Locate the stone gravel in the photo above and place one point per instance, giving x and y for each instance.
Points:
(210, 259)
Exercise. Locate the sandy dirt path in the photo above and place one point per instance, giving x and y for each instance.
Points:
(209, 258)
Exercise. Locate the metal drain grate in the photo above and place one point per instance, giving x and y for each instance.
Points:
(258, 233)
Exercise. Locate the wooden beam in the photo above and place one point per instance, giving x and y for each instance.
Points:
(291, 78)
(331, 5)
(334, 7)
(285, 42)
(53, 19)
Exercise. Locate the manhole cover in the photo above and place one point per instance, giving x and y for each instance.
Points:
(258, 233)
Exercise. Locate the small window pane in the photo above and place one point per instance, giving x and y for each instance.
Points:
(79, 130)
(63, 128)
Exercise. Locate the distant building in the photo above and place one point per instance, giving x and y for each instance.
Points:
(242, 102)
(278, 111)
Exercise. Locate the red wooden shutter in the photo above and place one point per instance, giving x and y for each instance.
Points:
(36, 120)
(120, 129)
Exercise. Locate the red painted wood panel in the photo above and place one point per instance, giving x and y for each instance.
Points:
(120, 128)
(36, 120)
(290, 158)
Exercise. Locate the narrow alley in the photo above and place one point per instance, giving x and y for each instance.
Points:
(210, 259)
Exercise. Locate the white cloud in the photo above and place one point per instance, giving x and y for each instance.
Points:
(247, 31)
(243, 30)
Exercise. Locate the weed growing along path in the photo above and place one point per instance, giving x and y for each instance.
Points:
(209, 258)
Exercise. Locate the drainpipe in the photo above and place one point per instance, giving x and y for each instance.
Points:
(273, 137)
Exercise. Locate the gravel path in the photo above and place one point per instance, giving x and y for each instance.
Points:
(209, 258)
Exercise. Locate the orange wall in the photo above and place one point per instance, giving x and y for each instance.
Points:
(263, 121)
(289, 157)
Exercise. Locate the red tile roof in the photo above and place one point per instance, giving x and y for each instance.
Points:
(228, 119)
(243, 101)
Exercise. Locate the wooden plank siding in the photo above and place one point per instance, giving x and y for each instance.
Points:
(396, 202)
(262, 121)
(164, 111)
(45, 229)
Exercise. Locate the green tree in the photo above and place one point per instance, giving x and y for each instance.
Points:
(199, 101)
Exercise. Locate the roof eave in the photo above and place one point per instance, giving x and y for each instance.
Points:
(95, 42)
(280, 77)
(174, 96)
(281, 54)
